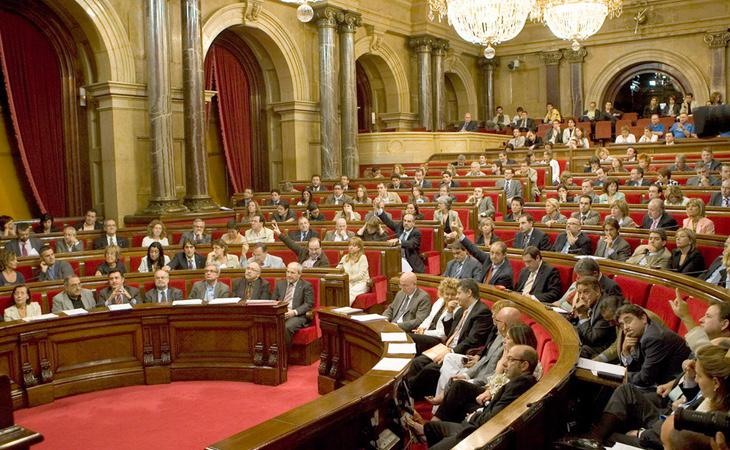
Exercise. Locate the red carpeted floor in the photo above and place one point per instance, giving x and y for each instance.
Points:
(182, 415)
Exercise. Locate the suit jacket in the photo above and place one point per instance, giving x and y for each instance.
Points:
(259, 291)
(103, 296)
(502, 277)
(670, 110)
(666, 221)
(411, 247)
(14, 245)
(330, 235)
(537, 238)
(715, 199)
(503, 398)
(549, 135)
(487, 363)
(582, 245)
(485, 207)
(296, 235)
(189, 235)
(470, 269)
(476, 328)
(471, 126)
(418, 309)
(547, 287)
(173, 294)
(303, 252)
(526, 123)
(303, 299)
(642, 182)
(660, 261)
(515, 188)
(592, 218)
(221, 290)
(331, 200)
(180, 262)
(717, 263)
(596, 334)
(621, 249)
(658, 356)
(61, 246)
(694, 263)
(61, 269)
(423, 184)
(61, 301)
(103, 242)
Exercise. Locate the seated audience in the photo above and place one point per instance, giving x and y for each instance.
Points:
(636, 178)
(221, 258)
(630, 154)
(588, 267)
(417, 196)
(73, 296)
(22, 305)
(385, 196)
(156, 232)
(595, 333)
(316, 184)
(419, 179)
(299, 297)
(611, 192)
(187, 259)
(554, 135)
(569, 131)
(304, 232)
(538, 279)
(703, 177)
(51, 269)
(311, 256)
(671, 109)
(495, 269)
(258, 233)
(409, 238)
(252, 286)
(162, 292)
(252, 210)
(372, 230)
(518, 140)
(210, 288)
(274, 198)
(696, 219)
(586, 188)
(655, 254)
(355, 264)
(411, 305)
(90, 222)
(585, 214)
(573, 241)
(462, 265)
(658, 219)
(445, 193)
(512, 188)
(591, 114)
(69, 243)
(564, 195)
(246, 197)
(530, 236)
(338, 196)
(654, 192)
(305, 198)
(680, 164)
(550, 160)
(611, 245)
(516, 206)
(686, 258)
(664, 178)
(683, 129)
(117, 292)
(111, 262)
(283, 213)
(233, 237)
(445, 216)
(110, 236)
(626, 137)
(648, 137)
(260, 255)
(340, 233)
(25, 244)
(45, 225)
(155, 259)
(552, 213)
(532, 141)
(709, 160)
(197, 234)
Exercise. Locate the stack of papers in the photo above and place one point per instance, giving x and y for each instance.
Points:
(122, 307)
(76, 312)
(393, 337)
(368, 317)
(392, 364)
(261, 302)
(224, 301)
(598, 368)
(192, 301)
(41, 317)
(408, 348)
(347, 310)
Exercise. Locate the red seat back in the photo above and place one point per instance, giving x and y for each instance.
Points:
(549, 356)
(658, 303)
(697, 309)
(427, 239)
(432, 292)
(635, 291)
(90, 266)
(566, 275)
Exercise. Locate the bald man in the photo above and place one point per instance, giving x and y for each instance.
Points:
(299, 296)
(340, 233)
(658, 219)
(410, 306)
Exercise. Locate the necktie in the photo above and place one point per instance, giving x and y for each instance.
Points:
(403, 309)
(583, 219)
(527, 240)
(163, 296)
(247, 293)
(654, 224)
(529, 283)
(23, 250)
(506, 186)
(191, 264)
(726, 201)
(490, 272)
(302, 237)
(51, 273)
(118, 299)
(111, 242)
(458, 270)
(289, 295)
(454, 339)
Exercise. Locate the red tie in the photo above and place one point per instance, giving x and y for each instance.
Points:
(23, 250)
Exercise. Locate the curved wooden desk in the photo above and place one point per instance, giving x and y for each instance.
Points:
(149, 344)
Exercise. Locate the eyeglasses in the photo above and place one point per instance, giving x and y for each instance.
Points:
(510, 359)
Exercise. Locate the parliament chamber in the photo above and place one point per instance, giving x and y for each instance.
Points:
(468, 224)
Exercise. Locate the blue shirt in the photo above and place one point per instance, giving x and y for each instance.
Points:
(688, 128)
(659, 127)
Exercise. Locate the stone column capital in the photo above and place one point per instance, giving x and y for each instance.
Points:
(422, 44)
(326, 16)
(717, 39)
(349, 21)
(487, 64)
(551, 58)
(574, 56)
(439, 47)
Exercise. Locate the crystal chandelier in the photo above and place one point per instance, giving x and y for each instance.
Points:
(575, 20)
(305, 13)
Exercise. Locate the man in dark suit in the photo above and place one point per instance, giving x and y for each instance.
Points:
(612, 246)
(110, 236)
(338, 197)
(538, 279)
(611, 113)
(468, 124)
(197, 234)
(588, 267)
(656, 218)
(163, 292)
(467, 329)
(530, 236)
(721, 198)
(521, 363)
(448, 180)
(596, 333)
(462, 265)
(309, 257)
(316, 185)
(652, 353)
(24, 245)
(274, 199)
(496, 270)
(410, 306)
(90, 223)
(554, 135)
(50, 269)
(187, 259)
(585, 214)
(525, 123)
(420, 180)
(592, 113)
(717, 272)
(409, 238)
(636, 178)
(573, 241)
(299, 296)
(210, 288)
(252, 286)
(117, 292)
(304, 233)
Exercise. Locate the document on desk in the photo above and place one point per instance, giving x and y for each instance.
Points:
(192, 301)
(76, 312)
(261, 302)
(408, 348)
(122, 307)
(225, 301)
(41, 317)
(598, 368)
(392, 364)
(368, 317)
(620, 446)
(347, 310)
(393, 336)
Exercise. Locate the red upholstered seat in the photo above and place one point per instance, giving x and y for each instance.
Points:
(309, 334)
(658, 303)
(507, 236)
(287, 255)
(134, 262)
(635, 291)
(6, 300)
(542, 336)
(697, 308)
(26, 271)
(549, 356)
(566, 275)
(90, 266)
(333, 256)
(379, 290)
(137, 240)
(603, 130)
(517, 266)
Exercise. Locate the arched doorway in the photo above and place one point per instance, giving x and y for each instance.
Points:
(632, 89)
(364, 100)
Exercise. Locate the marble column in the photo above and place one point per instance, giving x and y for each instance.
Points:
(717, 41)
(422, 45)
(439, 48)
(329, 126)
(552, 76)
(159, 101)
(349, 22)
(488, 66)
(575, 58)
(196, 166)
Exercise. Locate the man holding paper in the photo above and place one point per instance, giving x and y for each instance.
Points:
(411, 304)
(73, 296)
(117, 293)
(299, 297)
(162, 293)
(210, 288)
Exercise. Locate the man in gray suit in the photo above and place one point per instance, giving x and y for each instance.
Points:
(197, 235)
(210, 288)
(299, 296)
(24, 245)
(117, 292)
(69, 242)
(338, 197)
(162, 293)
(463, 265)
(512, 188)
(252, 286)
(50, 269)
(73, 296)
(585, 215)
(410, 306)
(484, 204)
(340, 233)
(612, 245)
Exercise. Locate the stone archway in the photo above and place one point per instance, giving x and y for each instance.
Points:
(381, 62)
(465, 90)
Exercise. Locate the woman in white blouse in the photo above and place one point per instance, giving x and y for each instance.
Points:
(648, 136)
(220, 257)
(156, 232)
(625, 137)
(22, 306)
(355, 264)
(155, 259)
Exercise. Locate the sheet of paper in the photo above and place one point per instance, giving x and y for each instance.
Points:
(597, 366)
(408, 348)
(261, 302)
(192, 301)
(393, 337)
(76, 312)
(620, 446)
(224, 301)
(560, 310)
(347, 310)
(392, 364)
(368, 317)
(41, 317)
(121, 307)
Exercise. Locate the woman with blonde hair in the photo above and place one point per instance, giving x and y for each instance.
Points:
(552, 213)
(445, 215)
(696, 220)
(425, 335)
(111, 261)
(626, 137)
(156, 232)
(22, 306)
(398, 169)
(355, 264)
(8, 264)
(620, 212)
(675, 197)
(220, 257)
(686, 258)
(486, 234)
(617, 166)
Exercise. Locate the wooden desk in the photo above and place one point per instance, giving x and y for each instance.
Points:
(150, 344)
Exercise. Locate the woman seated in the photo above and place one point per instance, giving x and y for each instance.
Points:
(7, 227)
(445, 215)
(486, 235)
(399, 170)
(552, 114)
(361, 196)
(431, 331)
(552, 213)
(372, 230)
(348, 213)
(413, 209)
(444, 192)
(232, 236)
(674, 197)
(648, 137)
(630, 155)
(617, 166)
(625, 137)
(252, 209)
(283, 214)
(45, 225)
(155, 260)
(644, 161)
(686, 258)
(564, 195)
(593, 165)
(220, 257)
(610, 192)
(306, 198)
(530, 173)
(581, 139)
(696, 220)
(417, 196)
(604, 157)
(620, 212)
(8, 264)
(22, 306)
(355, 264)
(156, 232)
(111, 261)
(549, 159)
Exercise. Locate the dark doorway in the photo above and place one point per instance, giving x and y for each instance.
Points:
(636, 92)
(364, 100)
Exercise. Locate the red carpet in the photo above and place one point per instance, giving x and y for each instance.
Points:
(182, 415)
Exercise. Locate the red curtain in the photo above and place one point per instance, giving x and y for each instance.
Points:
(223, 72)
(32, 82)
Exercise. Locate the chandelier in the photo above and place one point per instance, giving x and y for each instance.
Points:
(305, 13)
(575, 20)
